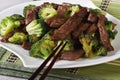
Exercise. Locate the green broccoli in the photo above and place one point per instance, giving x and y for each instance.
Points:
(92, 46)
(36, 27)
(30, 6)
(72, 9)
(8, 24)
(97, 11)
(47, 11)
(112, 34)
(33, 38)
(100, 50)
(69, 46)
(17, 17)
(18, 38)
(109, 27)
(43, 48)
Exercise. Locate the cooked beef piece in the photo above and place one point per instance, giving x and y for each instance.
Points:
(104, 37)
(76, 43)
(26, 45)
(92, 17)
(31, 14)
(92, 29)
(59, 19)
(69, 25)
(23, 26)
(80, 29)
(72, 55)
(49, 20)
(22, 22)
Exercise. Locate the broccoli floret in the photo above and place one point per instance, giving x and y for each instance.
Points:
(72, 9)
(33, 38)
(36, 27)
(109, 27)
(8, 24)
(43, 48)
(87, 45)
(17, 17)
(47, 11)
(112, 34)
(100, 50)
(69, 46)
(92, 46)
(30, 6)
(18, 38)
(97, 11)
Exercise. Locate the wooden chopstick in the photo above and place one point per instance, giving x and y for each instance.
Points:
(56, 51)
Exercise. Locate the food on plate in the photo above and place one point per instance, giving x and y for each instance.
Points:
(87, 31)
(47, 11)
(18, 38)
(35, 29)
(10, 23)
(28, 7)
(45, 45)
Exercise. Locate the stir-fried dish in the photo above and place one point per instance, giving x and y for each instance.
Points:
(87, 31)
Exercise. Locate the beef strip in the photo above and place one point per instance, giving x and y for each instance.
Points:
(69, 25)
(57, 22)
(104, 37)
(92, 17)
(72, 55)
(79, 30)
(26, 45)
(92, 29)
(22, 22)
(31, 14)
(59, 19)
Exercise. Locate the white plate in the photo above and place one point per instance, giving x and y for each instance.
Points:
(82, 62)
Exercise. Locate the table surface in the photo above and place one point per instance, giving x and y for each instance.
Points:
(6, 5)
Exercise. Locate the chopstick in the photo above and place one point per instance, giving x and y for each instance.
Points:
(56, 51)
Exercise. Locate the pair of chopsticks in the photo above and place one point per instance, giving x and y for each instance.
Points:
(55, 54)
